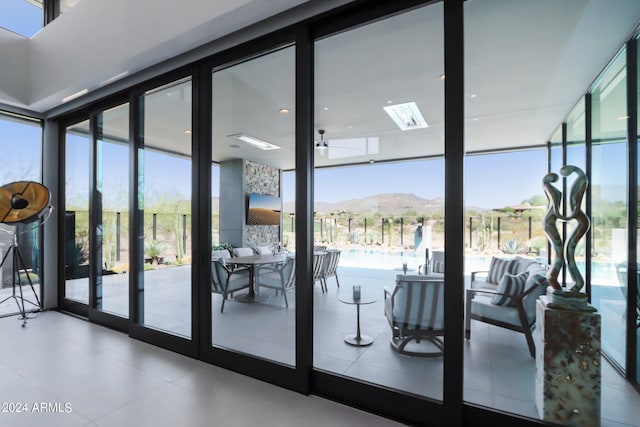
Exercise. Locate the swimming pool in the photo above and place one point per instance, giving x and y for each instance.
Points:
(603, 273)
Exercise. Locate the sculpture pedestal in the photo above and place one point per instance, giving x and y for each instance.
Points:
(568, 385)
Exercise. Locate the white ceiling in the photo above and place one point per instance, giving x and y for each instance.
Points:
(526, 62)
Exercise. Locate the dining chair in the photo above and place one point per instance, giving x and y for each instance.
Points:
(280, 277)
(318, 268)
(330, 266)
(225, 281)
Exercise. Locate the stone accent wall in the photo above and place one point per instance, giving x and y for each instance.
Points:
(261, 179)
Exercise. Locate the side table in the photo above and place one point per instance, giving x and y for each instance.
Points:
(358, 339)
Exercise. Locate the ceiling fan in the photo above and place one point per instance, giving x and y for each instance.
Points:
(323, 145)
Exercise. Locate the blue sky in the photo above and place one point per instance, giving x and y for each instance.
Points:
(21, 17)
(491, 181)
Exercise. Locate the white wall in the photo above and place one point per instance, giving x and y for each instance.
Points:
(14, 63)
(97, 40)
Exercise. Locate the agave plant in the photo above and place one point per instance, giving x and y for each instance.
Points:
(513, 246)
(154, 249)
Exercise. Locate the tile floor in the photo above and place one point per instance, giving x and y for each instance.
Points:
(499, 372)
(87, 375)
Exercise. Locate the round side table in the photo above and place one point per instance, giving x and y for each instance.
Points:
(358, 339)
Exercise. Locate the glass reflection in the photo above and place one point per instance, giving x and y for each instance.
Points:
(165, 204)
(609, 208)
(113, 196)
(77, 163)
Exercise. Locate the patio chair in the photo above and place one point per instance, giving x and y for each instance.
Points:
(280, 277)
(621, 271)
(224, 281)
(318, 268)
(415, 311)
(330, 267)
(512, 305)
(436, 263)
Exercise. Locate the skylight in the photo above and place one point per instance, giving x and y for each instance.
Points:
(407, 116)
(21, 16)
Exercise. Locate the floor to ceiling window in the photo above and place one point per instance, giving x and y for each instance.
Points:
(77, 189)
(609, 207)
(506, 106)
(576, 156)
(379, 202)
(164, 168)
(253, 271)
(21, 148)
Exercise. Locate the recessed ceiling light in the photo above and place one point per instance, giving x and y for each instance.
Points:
(441, 77)
(623, 117)
(256, 142)
(75, 95)
(407, 116)
(389, 102)
(283, 110)
(473, 95)
(326, 108)
(188, 132)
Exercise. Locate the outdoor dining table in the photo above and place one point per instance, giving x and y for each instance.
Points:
(253, 264)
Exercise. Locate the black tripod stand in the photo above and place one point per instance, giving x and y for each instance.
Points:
(15, 277)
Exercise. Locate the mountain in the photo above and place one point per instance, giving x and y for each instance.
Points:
(385, 204)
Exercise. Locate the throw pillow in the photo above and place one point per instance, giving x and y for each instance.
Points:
(510, 286)
(499, 267)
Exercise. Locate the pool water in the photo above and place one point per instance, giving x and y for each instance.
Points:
(603, 273)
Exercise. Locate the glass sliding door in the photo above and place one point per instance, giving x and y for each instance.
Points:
(379, 202)
(253, 289)
(164, 167)
(113, 203)
(609, 208)
(509, 113)
(77, 191)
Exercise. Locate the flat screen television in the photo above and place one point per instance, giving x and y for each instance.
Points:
(263, 210)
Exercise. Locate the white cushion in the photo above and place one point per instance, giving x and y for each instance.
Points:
(481, 305)
(263, 250)
(510, 285)
(221, 254)
(243, 251)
